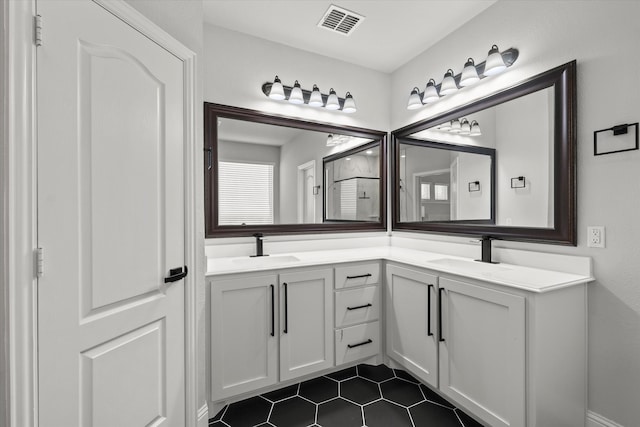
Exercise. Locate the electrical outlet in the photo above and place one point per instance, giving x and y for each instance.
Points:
(595, 237)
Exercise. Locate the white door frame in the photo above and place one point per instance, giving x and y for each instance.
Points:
(301, 188)
(18, 238)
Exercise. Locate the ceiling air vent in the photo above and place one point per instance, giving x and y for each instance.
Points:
(339, 20)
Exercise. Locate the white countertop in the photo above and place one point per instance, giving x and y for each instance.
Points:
(514, 276)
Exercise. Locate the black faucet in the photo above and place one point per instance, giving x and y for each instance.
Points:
(259, 249)
(486, 249)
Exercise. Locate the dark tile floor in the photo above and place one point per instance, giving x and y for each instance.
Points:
(363, 395)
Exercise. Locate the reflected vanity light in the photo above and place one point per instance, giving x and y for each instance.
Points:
(472, 73)
(461, 126)
(314, 98)
(333, 140)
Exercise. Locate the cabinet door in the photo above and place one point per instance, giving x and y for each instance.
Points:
(244, 349)
(306, 322)
(482, 351)
(411, 326)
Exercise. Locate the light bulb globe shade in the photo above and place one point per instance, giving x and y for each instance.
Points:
(475, 129)
(277, 90)
(332, 101)
(469, 74)
(430, 92)
(445, 126)
(295, 97)
(465, 127)
(494, 64)
(315, 100)
(414, 99)
(349, 104)
(455, 126)
(448, 85)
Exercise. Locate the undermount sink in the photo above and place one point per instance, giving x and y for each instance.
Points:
(468, 266)
(266, 260)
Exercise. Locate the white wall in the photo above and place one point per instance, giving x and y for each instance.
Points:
(473, 204)
(236, 66)
(4, 310)
(603, 36)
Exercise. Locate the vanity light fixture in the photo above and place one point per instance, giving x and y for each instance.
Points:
(314, 98)
(472, 73)
(333, 140)
(475, 129)
(448, 85)
(455, 126)
(465, 127)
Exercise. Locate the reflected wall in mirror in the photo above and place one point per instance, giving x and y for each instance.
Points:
(352, 185)
(264, 173)
(531, 129)
(445, 183)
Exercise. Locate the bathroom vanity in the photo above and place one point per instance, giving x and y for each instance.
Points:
(505, 342)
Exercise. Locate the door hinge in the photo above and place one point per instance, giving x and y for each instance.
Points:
(39, 262)
(37, 30)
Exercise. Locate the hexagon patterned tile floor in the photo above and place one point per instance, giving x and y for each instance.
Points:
(362, 395)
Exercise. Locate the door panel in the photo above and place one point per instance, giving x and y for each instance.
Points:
(411, 335)
(110, 221)
(307, 317)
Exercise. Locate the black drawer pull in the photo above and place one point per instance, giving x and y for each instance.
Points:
(360, 306)
(176, 274)
(369, 341)
(359, 276)
(286, 310)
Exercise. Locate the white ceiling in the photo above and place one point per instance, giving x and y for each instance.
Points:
(392, 33)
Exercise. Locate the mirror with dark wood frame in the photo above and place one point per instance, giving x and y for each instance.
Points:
(264, 173)
(531, 196)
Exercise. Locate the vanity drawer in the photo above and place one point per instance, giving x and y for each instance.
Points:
(357, 305)
(357, 342)
(365, 273)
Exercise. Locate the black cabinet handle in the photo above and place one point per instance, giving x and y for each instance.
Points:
(440, 314)
(286, 309)
(429, 333)
(176, 274)
(359, 276)
(359, 344)
(273, 311)
(209, 151)
(359, 306)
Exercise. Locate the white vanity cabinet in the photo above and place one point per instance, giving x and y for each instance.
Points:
(509, 356)
(357, 311)
(482, 351)
(244, 334)
(412, 338)
(306, 322)
(260, 322)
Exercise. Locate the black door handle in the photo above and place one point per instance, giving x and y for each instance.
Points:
(286, 309)
(273, 311)
(176, 274)
(440, 314)
(429, 333)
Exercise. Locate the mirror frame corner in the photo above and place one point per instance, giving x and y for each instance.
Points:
(213, 111)
(564, 231)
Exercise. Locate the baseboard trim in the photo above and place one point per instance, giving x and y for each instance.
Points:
(203, 416)
(597, 420)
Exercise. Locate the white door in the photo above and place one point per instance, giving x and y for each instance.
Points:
(411, 321)
(110, 221)
(306, 198)
(244, 334)
(482, 352)
(306, 322)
